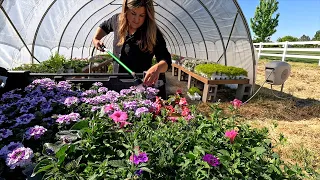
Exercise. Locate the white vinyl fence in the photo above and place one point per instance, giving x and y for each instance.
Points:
(285, 47)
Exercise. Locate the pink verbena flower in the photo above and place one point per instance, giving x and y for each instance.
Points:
(231, 135)
(236, 103)
(19, 157)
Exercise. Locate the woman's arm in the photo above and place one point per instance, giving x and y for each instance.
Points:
(105, 28)
(163, 58)
(100, 33)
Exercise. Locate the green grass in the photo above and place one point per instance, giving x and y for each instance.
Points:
(310, 61)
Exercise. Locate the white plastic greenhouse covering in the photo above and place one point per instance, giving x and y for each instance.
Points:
(206, 29)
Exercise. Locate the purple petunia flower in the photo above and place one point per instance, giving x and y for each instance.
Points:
(5, 133)
(24, 119)
(19, 157)
(211, 159)
(70, 101)
(141, 158)
(141, 110)
(36, 132)
(68, 118)
(9, 148)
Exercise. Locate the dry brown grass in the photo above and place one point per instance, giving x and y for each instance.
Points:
(297, 116)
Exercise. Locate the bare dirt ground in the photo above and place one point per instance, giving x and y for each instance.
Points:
(295, 112)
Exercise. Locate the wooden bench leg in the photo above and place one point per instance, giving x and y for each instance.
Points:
(189, 81)
(209, 92)
(205, 93)
(173, 70)
(179, 74)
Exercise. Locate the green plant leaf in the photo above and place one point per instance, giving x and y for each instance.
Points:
(80, 125)
(117, 163)
(93, 177)
(146, 169)
(42, 166)
(259, 150)
(55, 147)
(61, 154)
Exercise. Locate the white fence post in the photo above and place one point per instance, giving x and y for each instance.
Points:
(260, 47)
(285, 51)
(319, 62)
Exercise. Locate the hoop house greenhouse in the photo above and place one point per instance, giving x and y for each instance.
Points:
(214, 30)
(96, 123)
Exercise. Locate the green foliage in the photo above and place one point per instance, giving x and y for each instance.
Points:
(193, 90)
(97, 147)
(304, 38)
(263, 23)
(175, 57)
(154, 61)
(288, 38)
(55, 64)
(316, 36)
(210, 69)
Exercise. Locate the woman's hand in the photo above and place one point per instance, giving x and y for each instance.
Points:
(152, 75)
(97, 43)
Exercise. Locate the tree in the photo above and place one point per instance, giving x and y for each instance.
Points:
(263, 23)
(316, 36)
(304, 38)
(287, 38)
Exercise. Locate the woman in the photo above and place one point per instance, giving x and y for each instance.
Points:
(136, 39)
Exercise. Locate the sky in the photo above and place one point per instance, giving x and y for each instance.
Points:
(297, 17)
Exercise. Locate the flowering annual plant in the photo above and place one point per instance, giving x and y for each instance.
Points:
(211, 159)
(231, 135)
(60, 133)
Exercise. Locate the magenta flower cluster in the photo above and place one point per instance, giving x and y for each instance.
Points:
(211, 159)
(141, 158)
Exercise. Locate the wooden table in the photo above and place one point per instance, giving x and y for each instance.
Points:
(207, 82)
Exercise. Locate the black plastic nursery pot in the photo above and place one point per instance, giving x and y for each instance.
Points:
(116, 82)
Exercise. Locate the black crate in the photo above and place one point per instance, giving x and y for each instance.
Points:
(116, 82)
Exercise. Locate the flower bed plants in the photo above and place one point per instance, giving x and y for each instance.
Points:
(57, 131)
(218, 71)
(191, 63)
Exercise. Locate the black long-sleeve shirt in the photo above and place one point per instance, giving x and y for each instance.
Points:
(130, 53)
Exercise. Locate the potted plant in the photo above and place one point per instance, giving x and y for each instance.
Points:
(194, 93)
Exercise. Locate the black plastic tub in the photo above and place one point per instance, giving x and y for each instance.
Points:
(116, 82)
